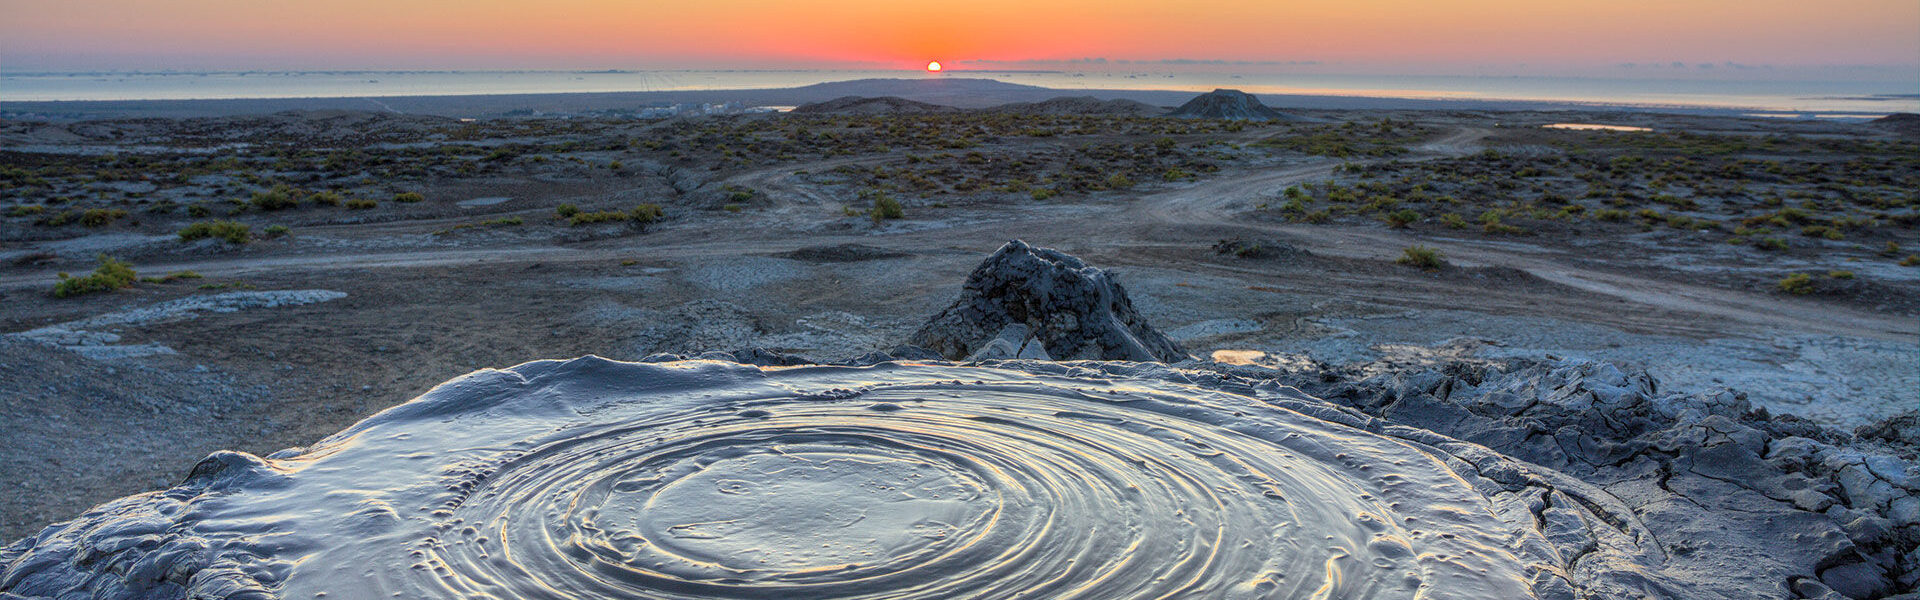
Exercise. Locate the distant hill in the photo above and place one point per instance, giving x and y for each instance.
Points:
(1232, 105)
(912, 87)
(1079, 105)
(1906, 124)
(884, 105)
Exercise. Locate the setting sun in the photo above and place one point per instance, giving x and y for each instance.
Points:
(933, 67)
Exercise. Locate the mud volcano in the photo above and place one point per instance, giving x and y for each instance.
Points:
(599, 479)
(1431, 475)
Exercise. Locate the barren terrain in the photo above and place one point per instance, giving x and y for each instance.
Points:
(460, 245)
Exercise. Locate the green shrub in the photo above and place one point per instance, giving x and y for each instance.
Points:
(24, 210)
(1771, 244)
(1912, 260)
(1454, 221)
(589, 218)
(646, 214)
(100, 217)
(1421, 256)
(199, 211)
(110, 275)
(1119, 181)
(1041, 193)
(327, 198)
(1400, 219)
(1822, 231)
(566, 211)
(885, 207)
(1892, 249)
(361, 203)
(280, 197)
(408, 197)
(231, 231)
(1798, 284)
(1840, 274)
(274, 231)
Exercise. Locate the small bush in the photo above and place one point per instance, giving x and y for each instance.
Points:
(1120, 181)
(1771, 244)
(274, 231)
(199, 211)
(25, 210)
(100, 217)
(1891, 250)
(1912, 260)
(589, 218)
(278, 198)
(1840, 274)
(885, 207)
(646, 214)
(408, 197)
(231, 231)
(1400, 219)
(1454, 221)
(566, 211)
(327, 198)
(1041, 193)
(110, 275)
(361, 204)
(1799, 284)
(1422, 257)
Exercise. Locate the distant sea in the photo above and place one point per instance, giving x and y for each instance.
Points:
(1834, 99)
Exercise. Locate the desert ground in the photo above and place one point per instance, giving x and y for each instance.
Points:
(299, 272)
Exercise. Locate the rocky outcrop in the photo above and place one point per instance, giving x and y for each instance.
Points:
(1232, 105)
(1075, 311)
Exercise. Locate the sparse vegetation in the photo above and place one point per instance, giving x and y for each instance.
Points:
(1422, 257)
(110, 275)
(1799, 284)
(233, 232)
(408, 197)
(885, 207)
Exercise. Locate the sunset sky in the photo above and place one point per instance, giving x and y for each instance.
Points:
(1414, 36)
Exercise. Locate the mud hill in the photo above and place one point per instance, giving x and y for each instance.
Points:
(1233, 105)
(1905, 124)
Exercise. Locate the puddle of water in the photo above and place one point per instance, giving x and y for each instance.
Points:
(1594, 127)
(1238, 357)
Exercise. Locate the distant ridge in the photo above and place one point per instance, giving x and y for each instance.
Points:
(884, 105)
(1233, 105)
(914, 87)
(1905, 124)
(1079, 105)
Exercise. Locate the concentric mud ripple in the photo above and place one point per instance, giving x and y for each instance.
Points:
(595, 479)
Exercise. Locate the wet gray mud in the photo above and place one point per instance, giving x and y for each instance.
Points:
(709, 479)
(701, 479)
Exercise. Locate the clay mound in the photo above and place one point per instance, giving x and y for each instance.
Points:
(884, 105)
(1079, 105)
(1232, 105)
(1075, 311)
(1905, 124)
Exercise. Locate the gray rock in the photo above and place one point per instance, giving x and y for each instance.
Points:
(1077, 312)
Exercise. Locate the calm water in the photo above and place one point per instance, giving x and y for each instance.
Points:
(1852, 97)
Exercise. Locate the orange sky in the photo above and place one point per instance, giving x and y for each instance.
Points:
(630, 34)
